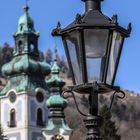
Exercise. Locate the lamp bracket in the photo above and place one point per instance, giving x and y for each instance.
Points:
(118, 96)
(75, 101)
(94, 88)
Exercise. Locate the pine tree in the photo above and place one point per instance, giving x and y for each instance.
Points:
(49, 56)
(41, 56)
(1, 133)
(6, 53)
(108, 129)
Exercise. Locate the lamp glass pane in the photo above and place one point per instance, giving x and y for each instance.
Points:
(72, 42)
(95, 46)
(114, 54)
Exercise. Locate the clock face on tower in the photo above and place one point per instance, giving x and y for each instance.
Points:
(39, 97)
(57, 137)
(12, 97)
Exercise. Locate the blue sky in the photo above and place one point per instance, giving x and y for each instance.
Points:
(46, 13)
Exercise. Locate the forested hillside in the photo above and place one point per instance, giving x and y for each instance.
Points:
(125, 113)
(5, 54)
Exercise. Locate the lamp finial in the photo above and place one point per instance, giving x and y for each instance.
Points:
(92, 4)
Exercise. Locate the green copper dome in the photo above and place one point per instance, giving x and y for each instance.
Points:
(26, 59)
(25, 64)
(55, 81)
(56, 100)
(55, 85)
(25, 23)
(25, 72)
(56, 104)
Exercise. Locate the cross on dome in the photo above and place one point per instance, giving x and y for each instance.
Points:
(26, 7)
(26, 2)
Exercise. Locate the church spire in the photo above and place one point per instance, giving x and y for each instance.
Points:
(26, 23)
(26, 8)
(57, 126)
(55, 52)
(26, 2)
(55, 68)
(26, 37)
(26, 61)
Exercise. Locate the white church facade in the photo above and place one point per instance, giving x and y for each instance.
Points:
(22, 101)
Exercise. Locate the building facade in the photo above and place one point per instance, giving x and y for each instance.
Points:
(23, 109)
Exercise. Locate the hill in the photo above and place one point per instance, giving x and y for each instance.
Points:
(125, 112)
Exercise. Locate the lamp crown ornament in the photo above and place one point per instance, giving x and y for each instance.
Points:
(129, 28)
(115, 19)
(58, 25)
(57, 29)
(78, 19)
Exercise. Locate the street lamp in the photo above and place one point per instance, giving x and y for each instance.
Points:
(93, 44)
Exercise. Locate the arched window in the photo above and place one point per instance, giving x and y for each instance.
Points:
(31, 47)
(21, 27)
(40, 97)
(40, 117)
(20, 46)
(30, 27)
(12, 122)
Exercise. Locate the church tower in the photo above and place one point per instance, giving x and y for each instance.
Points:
(23, 110)
(57, 127)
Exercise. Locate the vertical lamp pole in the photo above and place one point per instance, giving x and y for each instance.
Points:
(93, 43)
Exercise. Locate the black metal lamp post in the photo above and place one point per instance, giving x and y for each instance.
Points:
(93, 44)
